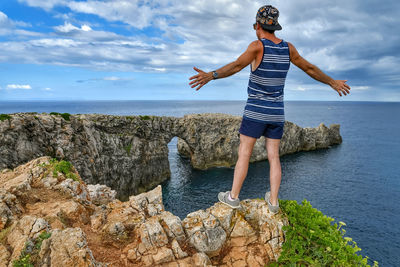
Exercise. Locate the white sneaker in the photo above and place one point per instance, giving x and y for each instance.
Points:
(223, 197)
(273, 209)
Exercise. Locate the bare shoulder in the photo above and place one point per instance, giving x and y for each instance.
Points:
(291, 46)
(256, 45)
(293, 51)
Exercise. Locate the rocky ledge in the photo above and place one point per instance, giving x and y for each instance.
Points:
(130, 153)
(50, 217)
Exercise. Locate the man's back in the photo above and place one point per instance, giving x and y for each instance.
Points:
(266, 83)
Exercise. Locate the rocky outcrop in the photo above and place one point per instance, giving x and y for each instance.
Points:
(213, 140)
(130, 153)
(49, 219)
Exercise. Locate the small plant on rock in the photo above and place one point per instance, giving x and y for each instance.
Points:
(65, 116)
(31, 251)
(64, 167)
(4, 117)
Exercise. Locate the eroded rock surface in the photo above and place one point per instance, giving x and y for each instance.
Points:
(61, 222)
(130, 153)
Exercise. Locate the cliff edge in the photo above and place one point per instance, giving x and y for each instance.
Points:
(50, 217)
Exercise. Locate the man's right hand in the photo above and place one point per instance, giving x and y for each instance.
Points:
(340, 86)
(202, 78)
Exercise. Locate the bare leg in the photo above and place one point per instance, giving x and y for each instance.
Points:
(242, 164)
(275, 172)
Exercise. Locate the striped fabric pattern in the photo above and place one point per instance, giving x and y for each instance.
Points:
(265, 89)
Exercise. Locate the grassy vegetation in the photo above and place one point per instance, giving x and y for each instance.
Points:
(66, 116)
(311, 239)
(128, 149)
(4, 117)
(64, 167)
(145, 117)
(31, 251)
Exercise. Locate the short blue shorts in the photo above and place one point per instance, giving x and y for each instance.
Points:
(256, 129)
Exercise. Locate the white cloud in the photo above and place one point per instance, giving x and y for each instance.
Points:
(335, 36)
(300, 88)
(48, 43)
(107, 78)
(361, 88)
(68, 27)
(86, 28)
(19, 86)
(5, 24)
(47, 89)
(3, 18)
(112, 78)
(305, 87)
(45, 4)
(9, 27)
(156, 69)
(134, 13)
(387, 62)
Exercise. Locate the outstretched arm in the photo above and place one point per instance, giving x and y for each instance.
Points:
(245, 59)
(313, 71)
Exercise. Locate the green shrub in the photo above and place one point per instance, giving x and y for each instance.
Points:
(64, 167)
(23, 261)
(31, 251)
(311, 239)
(72, 176)
(128, 149)
(44, 235)
(145, 117)
(4, 117)
(65, 116)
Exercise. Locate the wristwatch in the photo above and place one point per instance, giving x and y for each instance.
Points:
(215, 75)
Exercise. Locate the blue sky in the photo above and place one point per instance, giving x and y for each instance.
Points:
(120, 50)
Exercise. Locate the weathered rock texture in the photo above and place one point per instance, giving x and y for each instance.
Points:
(130, 153)
(103, 231)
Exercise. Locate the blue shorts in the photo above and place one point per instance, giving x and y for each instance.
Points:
(256, 129)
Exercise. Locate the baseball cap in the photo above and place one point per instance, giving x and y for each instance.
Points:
(267, 16)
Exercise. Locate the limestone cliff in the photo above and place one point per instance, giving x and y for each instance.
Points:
(130, 153)
(50, 217)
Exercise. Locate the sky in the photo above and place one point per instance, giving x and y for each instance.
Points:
(146, 50)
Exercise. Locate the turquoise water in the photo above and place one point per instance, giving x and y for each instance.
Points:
(357, 182)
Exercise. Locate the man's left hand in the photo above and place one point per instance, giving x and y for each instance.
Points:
(340, 86)
(200, 79)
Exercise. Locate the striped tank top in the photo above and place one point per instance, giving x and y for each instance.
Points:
(266, 83)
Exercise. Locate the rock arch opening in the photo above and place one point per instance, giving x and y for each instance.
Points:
(181, 174)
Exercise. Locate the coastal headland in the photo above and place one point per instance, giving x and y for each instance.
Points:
(50, 215)
(130, 153)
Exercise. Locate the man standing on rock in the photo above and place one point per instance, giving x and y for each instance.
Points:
(270, 58)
